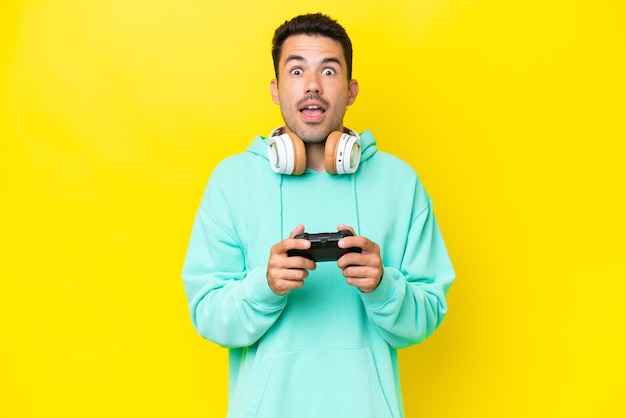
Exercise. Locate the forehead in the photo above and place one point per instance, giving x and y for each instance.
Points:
(312, 48)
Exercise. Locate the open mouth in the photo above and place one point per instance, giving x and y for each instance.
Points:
(312, 110)
(312, 105)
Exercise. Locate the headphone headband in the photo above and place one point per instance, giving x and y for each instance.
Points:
(281, 130)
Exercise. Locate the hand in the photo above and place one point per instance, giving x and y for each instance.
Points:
(363, 270)
(286, 273)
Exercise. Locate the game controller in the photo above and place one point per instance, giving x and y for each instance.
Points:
(324, 246)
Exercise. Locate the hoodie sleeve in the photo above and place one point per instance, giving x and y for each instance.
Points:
(410, 301)
(229, 305)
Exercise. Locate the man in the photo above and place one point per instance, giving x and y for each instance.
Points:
(307, 338)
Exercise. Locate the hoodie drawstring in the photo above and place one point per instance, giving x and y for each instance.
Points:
(357, 227)
(282, 210)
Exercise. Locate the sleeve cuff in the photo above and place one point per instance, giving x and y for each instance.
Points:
(259, 291)
(386, 290)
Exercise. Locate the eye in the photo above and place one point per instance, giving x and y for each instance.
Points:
(328, 71)
(296, 71)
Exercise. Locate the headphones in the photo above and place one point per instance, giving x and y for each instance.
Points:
(287, 154)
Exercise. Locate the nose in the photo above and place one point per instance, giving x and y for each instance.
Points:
(313, 84)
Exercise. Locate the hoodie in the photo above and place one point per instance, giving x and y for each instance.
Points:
(327, 349)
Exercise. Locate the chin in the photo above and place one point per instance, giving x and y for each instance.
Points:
(312, 135)
(315, 139)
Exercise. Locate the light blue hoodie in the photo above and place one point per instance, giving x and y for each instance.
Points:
(327, 349)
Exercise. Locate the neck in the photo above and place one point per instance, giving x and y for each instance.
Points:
(315, 156)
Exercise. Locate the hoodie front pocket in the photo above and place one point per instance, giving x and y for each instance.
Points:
(317, 384)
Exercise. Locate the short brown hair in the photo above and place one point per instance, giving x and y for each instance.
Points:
(312, 24)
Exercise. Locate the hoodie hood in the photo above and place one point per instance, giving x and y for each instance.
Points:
(368, 146)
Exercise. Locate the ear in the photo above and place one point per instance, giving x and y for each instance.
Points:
(274, 91)
(353, 91)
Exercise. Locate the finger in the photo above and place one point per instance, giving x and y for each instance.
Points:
(297, 230)
(282, 285)
(366, 278)
(290, 275)
(342, 227)
(287, 273)
(361, 272)
(366, 260)
(279, 258)
(350, 259)
(365, 285)
(285, 245)
(351, 242)
(298, 262)
(368, 247)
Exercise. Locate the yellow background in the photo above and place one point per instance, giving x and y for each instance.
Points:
(114, 112)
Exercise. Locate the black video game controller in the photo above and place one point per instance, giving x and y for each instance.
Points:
(324, 246)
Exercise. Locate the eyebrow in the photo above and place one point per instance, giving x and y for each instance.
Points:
(324, 61)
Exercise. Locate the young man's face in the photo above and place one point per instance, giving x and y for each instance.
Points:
(312, 89)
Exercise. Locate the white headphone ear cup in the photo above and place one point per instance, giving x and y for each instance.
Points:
(351, 152)
(280, 154)
(287, 154)
(342, 153)
(330, 152)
